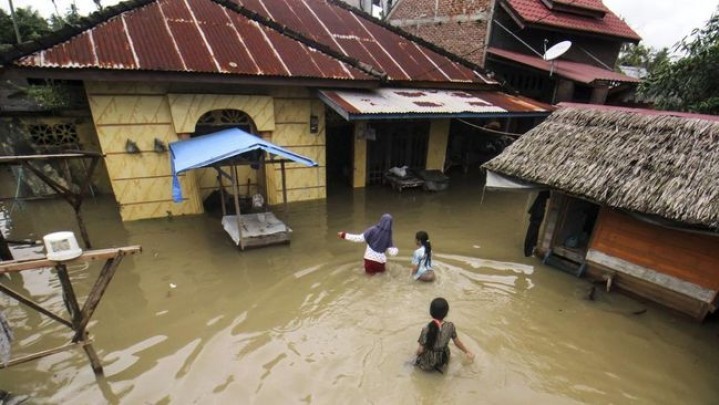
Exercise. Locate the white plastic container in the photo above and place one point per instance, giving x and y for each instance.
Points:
(61, 246)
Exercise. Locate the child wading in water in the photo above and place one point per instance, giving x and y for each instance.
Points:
(433, 350)
(379, 241)
(422, 258)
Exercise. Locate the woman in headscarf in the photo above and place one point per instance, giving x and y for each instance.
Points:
(379, 242)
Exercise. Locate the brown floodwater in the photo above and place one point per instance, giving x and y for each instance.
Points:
(194, 320)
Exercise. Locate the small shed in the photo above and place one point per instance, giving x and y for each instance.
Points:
(224, 151)
(634, 199)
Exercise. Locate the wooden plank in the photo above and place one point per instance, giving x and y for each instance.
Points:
(652, 276)
(651, 292)
(688, 256)
(97, 254)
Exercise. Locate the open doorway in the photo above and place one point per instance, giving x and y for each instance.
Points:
(338, 152)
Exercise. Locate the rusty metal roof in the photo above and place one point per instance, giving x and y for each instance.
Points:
(275, 38)
(191, 36)
(393, 103)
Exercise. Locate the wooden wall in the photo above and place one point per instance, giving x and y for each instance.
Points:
(676, 268)
(688, 256)
(142, 112)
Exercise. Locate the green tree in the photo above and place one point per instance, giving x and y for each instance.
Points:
(634, 55)
(689, 83)
(30, 24)
(71, 17)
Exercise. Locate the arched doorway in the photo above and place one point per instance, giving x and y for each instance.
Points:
(251, 178)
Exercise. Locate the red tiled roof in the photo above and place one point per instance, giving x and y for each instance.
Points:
(587, 4)
(579, 72)
(534, 12)
(272, 38)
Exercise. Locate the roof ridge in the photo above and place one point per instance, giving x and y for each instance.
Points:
(68, 31)
(297, 36)
(453, 57)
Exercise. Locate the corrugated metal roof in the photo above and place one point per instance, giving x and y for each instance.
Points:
(535, 12)
(191, 36)
(389, 103)
(362, 37)
(580, 72)
(277, 38)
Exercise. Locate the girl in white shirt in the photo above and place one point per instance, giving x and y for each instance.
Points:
(422, 258)
(379, 241)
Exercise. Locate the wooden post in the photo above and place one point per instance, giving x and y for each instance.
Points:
(79, 318)
(68, 293)
(5, 253)
(23, 300)
(237, 206)
(222, 192)
(284, 185)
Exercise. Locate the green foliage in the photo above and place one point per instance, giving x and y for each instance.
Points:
(51, 96)
(690, 83)
(642, 56)
(72, 17)
(30, 24)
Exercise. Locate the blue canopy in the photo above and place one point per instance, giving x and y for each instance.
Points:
(209, 149)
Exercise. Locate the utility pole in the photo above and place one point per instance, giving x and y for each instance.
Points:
(14, 23)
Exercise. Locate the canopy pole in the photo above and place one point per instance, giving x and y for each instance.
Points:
(222, 192)
(236, 189)
(284, 185)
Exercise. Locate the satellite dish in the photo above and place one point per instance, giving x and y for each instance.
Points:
(557, 50)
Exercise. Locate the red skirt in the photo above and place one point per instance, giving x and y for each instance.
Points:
(372, 267)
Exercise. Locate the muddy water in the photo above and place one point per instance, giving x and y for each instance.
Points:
(303, 324)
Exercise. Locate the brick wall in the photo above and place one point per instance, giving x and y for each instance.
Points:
(412, 9)
(458, 26)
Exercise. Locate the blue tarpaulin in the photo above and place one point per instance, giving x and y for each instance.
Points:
(209, 149)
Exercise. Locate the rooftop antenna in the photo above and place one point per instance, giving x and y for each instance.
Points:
(554, 52)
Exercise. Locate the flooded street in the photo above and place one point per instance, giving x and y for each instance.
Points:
(194, 320)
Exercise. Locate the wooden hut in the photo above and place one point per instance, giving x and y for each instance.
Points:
(634, 199)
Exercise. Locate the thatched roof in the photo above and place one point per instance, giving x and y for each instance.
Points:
(660, 165)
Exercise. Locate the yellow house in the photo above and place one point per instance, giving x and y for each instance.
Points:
(157, 71)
